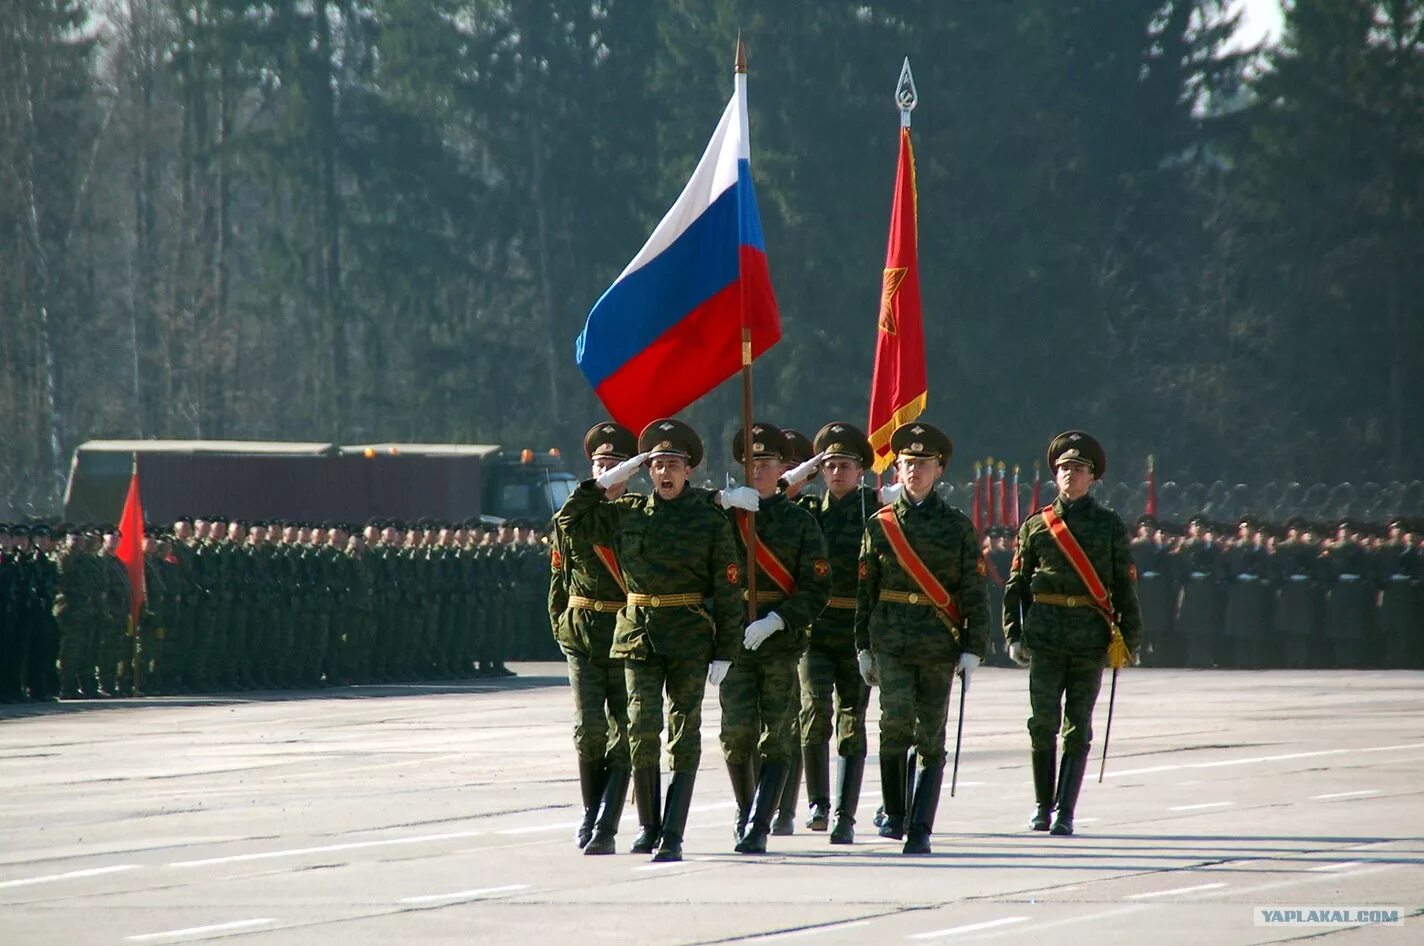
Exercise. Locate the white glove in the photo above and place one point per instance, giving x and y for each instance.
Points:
(739, 497)
(968, 663)
(802, 473)
(717, 671)
(891, 492)
(1018, 653)
(868, 671)
(622, 472)
(759, 630)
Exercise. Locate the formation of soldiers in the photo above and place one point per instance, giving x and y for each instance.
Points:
(1296, 594)
(854, 589)
(233, 605)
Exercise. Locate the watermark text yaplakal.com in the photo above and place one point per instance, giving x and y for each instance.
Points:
(1325, 915)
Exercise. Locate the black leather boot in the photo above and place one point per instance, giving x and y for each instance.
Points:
(743, 775)
(679, 802)
(848, 778)
(1044, 762)
(922, 810)
(817, 760)
(785, 823)
(615, 792)
(592, 775)
(894, 776)
(769, 791)
(648, 795)
(1070, 780)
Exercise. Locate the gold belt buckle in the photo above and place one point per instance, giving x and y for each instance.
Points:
(655, 601)
(1072, 601)
(598, 606)
(914, 597)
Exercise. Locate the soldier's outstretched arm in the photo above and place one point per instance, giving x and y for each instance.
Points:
(728, 612)
(587, 516)
(1017, 597)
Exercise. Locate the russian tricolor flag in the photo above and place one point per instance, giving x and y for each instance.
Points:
(669, 329)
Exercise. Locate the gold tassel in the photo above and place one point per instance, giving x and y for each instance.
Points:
(1117, 650)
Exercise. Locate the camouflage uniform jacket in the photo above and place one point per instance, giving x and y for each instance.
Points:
(944, 539)
(843, 524)
(1040, 567)
(791, 534)
(666, 547)
(575, 569)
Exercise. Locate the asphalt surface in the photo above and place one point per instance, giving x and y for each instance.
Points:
(445, 814)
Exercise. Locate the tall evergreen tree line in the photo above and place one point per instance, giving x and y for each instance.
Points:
(333, 220)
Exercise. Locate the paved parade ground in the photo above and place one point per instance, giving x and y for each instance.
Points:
(445, 814)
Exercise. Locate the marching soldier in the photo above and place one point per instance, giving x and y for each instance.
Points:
(833, 695)
(676, 551)
(761, 695)
(796, 448)
(921, 616)
(586, 592)
(1071, 588)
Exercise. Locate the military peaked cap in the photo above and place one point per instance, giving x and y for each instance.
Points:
(768, 442)
(669, 436)
(916, 439)
(609, 440)
(1075, 446)
(838, 439)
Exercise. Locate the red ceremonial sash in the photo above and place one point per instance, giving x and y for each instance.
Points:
(766, 559)
(610, 562)
(915, 566)
(1079, 559)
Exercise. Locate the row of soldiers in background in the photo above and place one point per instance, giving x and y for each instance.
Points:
(237, 605)
(1256, 594)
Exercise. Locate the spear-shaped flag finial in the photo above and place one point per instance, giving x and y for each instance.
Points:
(740, 66)
(905, 95)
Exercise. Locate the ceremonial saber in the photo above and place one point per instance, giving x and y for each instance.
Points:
(958, 736)
(1107, 734)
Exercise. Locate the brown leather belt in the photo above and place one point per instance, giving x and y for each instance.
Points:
(1065, 601)
(844, 604)
(593, 604)
(906, 597)
(665, 601)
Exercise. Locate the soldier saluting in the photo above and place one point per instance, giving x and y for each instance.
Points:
(676, 551)
(1071, 587)
(921, 615)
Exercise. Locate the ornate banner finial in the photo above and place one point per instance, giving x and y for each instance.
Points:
(905, 95)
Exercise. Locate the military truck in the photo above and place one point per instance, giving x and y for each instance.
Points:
(315, 481)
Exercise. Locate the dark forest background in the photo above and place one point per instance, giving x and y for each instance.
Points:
(387, 220)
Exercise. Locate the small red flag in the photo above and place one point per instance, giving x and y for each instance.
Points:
(1151, 488)
(1003, 497)
(130, 550)
(899, 387)
(977, 514)
(1016, 521)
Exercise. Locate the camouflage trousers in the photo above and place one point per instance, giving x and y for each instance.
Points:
(833, 694)
(1062, 688)
(600, 709)
(759, 699)
(685, 682)
(914, 705)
